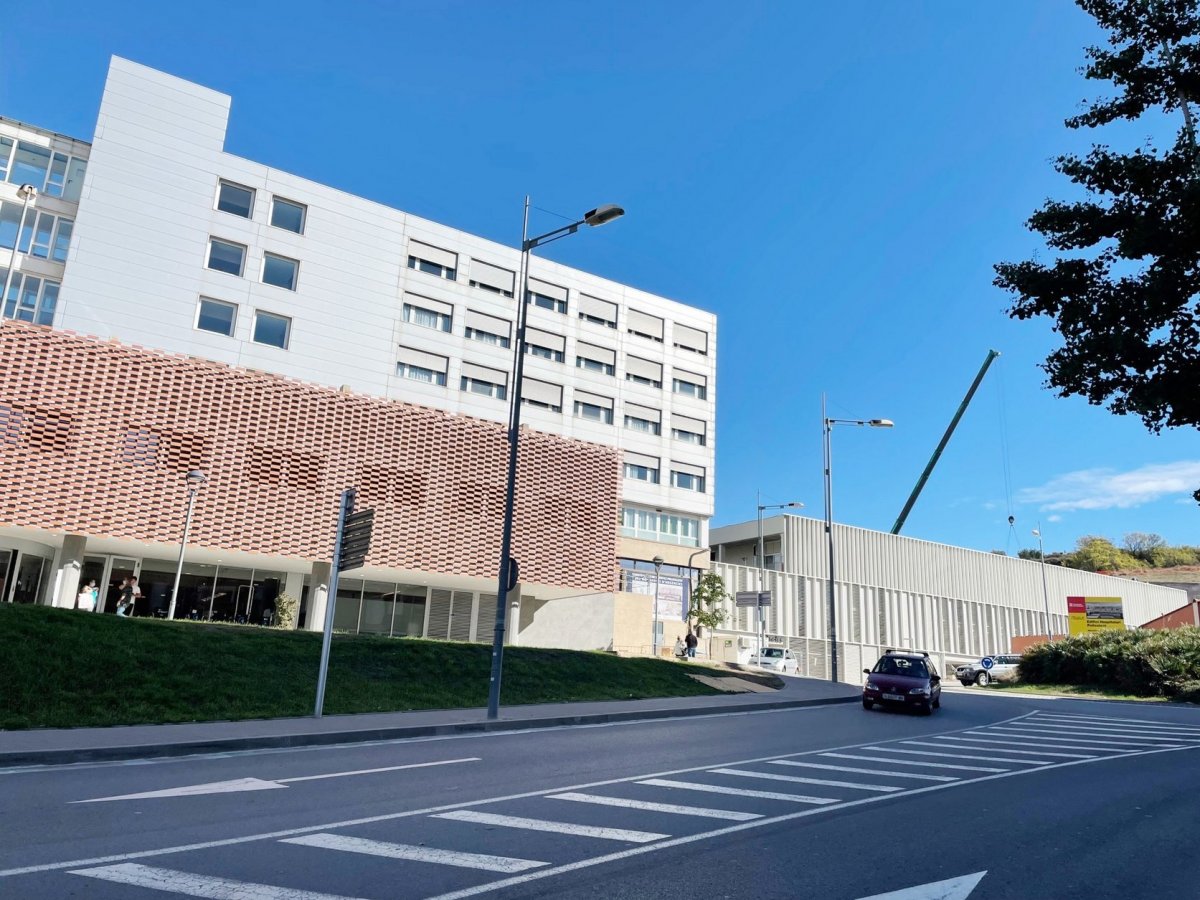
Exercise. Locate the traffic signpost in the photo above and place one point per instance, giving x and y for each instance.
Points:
(759, 600)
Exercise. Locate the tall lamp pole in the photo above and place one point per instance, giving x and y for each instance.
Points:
(1037, 532)
(599, 216)
(827, 432)
(195, 478)
(27, 193)
(762, 563)
(658, 564)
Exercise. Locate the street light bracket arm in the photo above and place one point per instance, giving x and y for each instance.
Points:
(551, 236)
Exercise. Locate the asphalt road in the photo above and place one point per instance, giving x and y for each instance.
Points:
(1051, 799)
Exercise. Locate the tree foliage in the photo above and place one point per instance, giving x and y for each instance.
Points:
(706, 605)
(1098, 554)
(1123, 288)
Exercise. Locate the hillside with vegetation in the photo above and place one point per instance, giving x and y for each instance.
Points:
(1141, 554)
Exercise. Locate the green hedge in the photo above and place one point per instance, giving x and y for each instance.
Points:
(1145, 662)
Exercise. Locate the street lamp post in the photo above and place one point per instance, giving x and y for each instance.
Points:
(195, 478)
(827, 431)
(599, 216)
(762, 565)
(27, 193)
(1037, 532)
(658, 564)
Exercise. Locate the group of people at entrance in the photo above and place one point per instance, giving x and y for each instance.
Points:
(685, 647)
(89, 596)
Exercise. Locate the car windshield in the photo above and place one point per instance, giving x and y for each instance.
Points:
(772, 653)
(898, 665)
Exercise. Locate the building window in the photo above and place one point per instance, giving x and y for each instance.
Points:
(271, 329)
(644, 325)
(544, 352)
(688, 481)
(643, 371)
(597, 311)
(687, 437)
(595, 359)
(429, 314)
(225, 256)
(492, 278)
(6, 149)
(688, 430)
(641, 468)
(44, 236)
(480, 380)
(432, 260)
(487, 337)
(54, 174)
(594, 365)
(288, 215)
(689, 385)
(595, 408)
(216, 316)
(280, 271)
(235, 199)
(30, 299)
(662, 527)
(545, 345)
(418, 365)
(688, 338)
(541, 394)
(633, 423)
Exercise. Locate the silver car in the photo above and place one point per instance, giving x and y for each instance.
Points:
(777, 659)
(1001, 667)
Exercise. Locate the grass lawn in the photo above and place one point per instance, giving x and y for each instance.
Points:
(64, 668)
(1085, 691)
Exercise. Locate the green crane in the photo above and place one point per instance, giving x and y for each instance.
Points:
(962, 408)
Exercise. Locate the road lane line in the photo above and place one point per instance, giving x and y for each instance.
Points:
(972, 744)
(830, 766)
(593, 831)
(198, 885)
(1042, 734)
(424, 765)
(1027, 762)
(735, 792)
(906, 762)
(1123, 723)
(797, 779)
(349, 844)
(675, 809)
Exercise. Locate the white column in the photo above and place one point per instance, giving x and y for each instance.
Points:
(69, 562)
(318, 594)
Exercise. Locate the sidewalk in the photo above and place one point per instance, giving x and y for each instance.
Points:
(57, 746)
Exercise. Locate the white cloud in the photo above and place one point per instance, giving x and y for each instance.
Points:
(1109, 489)
(1054, 518)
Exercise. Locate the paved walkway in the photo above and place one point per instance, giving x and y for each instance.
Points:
(53, 746)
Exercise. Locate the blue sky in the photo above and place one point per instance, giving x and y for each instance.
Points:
(835, 181)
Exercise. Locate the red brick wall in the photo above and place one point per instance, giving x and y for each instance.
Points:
(1179, 618)
(96, 437)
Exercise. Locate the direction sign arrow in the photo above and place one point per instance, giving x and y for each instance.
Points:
(952, 889)
(258, 784)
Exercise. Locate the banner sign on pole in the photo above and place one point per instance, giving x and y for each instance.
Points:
(1086, 615)
(672, 590)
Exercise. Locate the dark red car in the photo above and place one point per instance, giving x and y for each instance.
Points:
(903, 679)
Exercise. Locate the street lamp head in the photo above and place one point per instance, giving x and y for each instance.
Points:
(880, 423)
(658, 562)
(1036, 533)
(27, 192)
(195, 478)
(602, 215)
(796, 505)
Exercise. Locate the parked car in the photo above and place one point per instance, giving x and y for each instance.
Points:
(903, 679)
(1001, 667)
(778, 659)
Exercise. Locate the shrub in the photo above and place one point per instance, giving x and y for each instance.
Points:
(286, 609)
(1147, 662)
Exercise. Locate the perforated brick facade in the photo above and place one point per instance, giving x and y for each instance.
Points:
(96, 436)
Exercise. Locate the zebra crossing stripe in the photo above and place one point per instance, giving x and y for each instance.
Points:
(971, 744)
(349, 844)
(1027, 762)
(905, 762)
(593, 831)
(729, 814)
(735, 792)
(882, 788)
(198, 885)
(830, 766)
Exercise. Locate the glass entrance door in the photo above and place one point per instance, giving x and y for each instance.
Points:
(8, 563)
(119, 569)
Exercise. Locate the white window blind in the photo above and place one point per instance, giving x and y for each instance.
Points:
(687, 423)
(599, 354)
(545, 339)
(643, 368)
(435, 255)
(691, 377)
(593, 399)
(483, 373)
(437, 306)
(492, 276)
(637, 459)
(547, 290)
(643, 412)
(690, 338)
(687, 469)
(597, 308)
(412, 357)
(541, 392)
(490, 324)
(642, 323)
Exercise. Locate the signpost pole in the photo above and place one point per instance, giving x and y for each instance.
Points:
(331, 599)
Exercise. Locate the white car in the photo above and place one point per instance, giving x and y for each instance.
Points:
(1000, 667)
(778, 659)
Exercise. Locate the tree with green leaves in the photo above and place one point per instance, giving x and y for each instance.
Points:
(706, 606)
(1123, 288)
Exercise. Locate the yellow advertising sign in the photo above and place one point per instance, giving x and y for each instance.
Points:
(1086, 615)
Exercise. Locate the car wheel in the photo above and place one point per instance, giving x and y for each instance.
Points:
(937, 704)
(927, 708)
(983, 679)
(965, 682)
(868, 705)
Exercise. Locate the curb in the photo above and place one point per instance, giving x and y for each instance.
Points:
(398, 732)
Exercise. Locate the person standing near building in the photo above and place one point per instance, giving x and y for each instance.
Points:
(125, 599)
(680, 650)
(86, 601)
(691, 640)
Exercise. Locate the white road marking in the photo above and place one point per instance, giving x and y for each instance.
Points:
(734, 792)
(1115, 737)
(258, 784)
(810, 765)
(906, 762)
(198, 885)
(950, 889)
(882, 788)
(1123, 723)
(973, 744)
(1038, 734)
(593, 831)
(1032, 739)
(350, 844)
(729, 814)
(1027, 762)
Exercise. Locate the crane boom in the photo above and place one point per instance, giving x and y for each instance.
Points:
(962, 408)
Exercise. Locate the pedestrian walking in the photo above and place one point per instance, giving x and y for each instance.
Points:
(86, 600)
(680, 648)
(691, 642)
